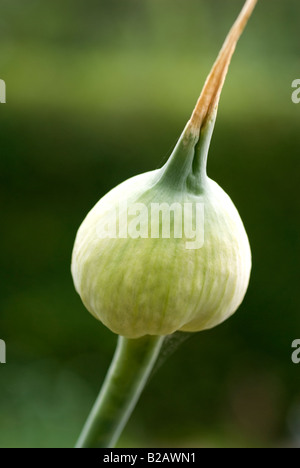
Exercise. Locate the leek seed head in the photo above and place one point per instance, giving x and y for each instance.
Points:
(167, 250)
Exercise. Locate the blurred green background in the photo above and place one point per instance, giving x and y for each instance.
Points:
(98, 91)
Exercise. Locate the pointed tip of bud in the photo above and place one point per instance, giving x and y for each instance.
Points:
(209, 99)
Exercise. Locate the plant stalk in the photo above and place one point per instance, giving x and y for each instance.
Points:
(123, 385)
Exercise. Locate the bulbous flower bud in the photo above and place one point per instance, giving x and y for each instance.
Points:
(167, 250)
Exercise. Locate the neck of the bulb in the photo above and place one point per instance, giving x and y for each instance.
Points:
(186, 167)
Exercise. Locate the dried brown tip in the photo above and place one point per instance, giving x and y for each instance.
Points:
(210, 96)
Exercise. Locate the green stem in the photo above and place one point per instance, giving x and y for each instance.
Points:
(125, 380)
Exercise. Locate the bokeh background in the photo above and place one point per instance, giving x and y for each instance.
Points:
(98, 91)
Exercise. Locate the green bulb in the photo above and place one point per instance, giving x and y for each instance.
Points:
(167, 250)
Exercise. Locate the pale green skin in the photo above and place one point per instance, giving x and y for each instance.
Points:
(140, 287)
